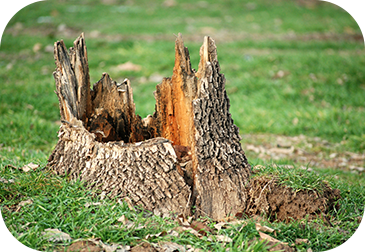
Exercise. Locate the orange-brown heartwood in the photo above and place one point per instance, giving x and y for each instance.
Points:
(185, 156)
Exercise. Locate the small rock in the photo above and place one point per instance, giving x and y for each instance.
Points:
(49, 49)
(29, 167)
(37, 47)
(55, 235)
(92, 204)
(26, 202)
(123, 219)
(5, 181)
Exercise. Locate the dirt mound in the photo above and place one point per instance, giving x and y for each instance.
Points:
(282, 203)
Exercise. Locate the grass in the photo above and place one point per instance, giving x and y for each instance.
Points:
(67, 206)
(291, 69)
(296, 178)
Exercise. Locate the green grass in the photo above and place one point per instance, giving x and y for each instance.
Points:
(320, 95)
(295, 178)
(58, 203)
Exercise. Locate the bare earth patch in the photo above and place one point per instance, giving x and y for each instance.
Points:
(281, 203)
(220, 36)
(303, 151)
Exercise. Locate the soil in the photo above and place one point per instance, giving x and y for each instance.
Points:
(279, 247)
(281, 203)
(302, 151)
(144, 247)
(220, 36)
(84, 246)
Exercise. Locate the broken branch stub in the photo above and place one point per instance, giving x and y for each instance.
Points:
(186, 154)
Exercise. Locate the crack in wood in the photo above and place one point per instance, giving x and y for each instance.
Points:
(186, 154)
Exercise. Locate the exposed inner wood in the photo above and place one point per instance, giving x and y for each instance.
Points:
(174, 106)
(190, 139)
(113, 115)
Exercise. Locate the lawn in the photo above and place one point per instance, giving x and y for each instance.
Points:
(295, 77)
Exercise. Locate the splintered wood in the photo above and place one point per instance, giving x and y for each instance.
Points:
(187, 154)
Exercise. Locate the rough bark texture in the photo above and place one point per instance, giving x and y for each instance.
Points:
(144, 171)
(193, 110)
(222, 169)
(72, 80)
(187, 154)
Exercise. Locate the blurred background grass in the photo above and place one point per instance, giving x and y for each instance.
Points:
(292, 67)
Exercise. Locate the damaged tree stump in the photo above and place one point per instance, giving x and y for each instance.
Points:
(186, 154)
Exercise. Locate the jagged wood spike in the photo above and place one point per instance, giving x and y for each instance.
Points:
(223, 171)
(190, 154)
(65, 81)
(193, 109)
(72, 74)
(80, 65)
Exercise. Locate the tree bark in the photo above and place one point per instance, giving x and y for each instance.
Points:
(187, 154)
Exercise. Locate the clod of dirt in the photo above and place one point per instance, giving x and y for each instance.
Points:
(282, 203)
(84, 246)
(279, 247)
(144, 247)
(272, 244)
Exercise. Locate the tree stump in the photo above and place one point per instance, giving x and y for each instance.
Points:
(187, 154)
